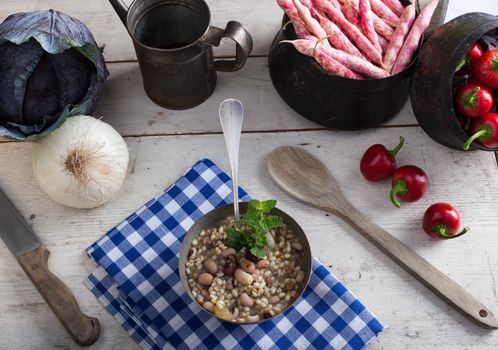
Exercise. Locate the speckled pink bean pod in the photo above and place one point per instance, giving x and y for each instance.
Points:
(353, 33)
(384, 12)
(310, 48)
(384, 43)
(307, 3)
(333, 66)
(350, 10)
(351, 14)
(312, 25)
(367, 23)
(291, 12)
(413, 38)
(395, 6)
(356, 64)
(382, 27)
(337, 38)
(353, 3)
(407, 19)
(335, 3)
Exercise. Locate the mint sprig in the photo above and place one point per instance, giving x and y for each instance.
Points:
(258, 221)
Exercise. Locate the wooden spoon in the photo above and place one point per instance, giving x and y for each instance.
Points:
(307, 179)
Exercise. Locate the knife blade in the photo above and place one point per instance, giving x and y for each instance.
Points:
(14, 231)
(32, 255)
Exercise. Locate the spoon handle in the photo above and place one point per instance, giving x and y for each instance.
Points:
(417, 266)
(231, 118)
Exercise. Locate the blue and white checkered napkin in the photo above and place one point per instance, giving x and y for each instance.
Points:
(138, 282)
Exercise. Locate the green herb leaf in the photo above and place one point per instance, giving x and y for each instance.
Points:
(258, 252)
(235, 239)
(259, 222)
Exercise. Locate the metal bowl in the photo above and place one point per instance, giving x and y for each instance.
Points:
(213, 219)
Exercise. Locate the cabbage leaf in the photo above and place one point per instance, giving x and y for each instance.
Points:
(50, 69)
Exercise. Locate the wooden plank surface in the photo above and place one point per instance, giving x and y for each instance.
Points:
(261, 17)
(417, 318)
(126, 107)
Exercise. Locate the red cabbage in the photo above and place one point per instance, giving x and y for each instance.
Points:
(50, 69)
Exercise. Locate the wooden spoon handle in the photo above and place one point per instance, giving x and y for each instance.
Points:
(83, 329)
(417, 266)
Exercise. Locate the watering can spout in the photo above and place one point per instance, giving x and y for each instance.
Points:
(121, 9)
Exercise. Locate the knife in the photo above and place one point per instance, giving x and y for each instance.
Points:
(32, 255)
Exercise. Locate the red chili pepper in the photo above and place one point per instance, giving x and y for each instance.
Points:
(378, 163)
(442, 221)
(485, 131)
(472, 54)
(474, 100)
(409, 184)
(485, 69)
(475, 51)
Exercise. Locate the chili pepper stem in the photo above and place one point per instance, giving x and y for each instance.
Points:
(494, 64)
(399, 188)
(464, 61)
(396, 149)
(467, 124)
(442, 232)
(470, 98)
(483, 131)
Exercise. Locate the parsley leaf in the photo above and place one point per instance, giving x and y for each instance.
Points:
(259, 222)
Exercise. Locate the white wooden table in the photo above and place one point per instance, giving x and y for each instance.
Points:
(163, 143)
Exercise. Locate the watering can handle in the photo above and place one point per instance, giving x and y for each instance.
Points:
(121, 9)
(243, 40)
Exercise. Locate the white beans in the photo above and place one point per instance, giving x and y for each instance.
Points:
(252, 318)
(297, 246)
(274, 299)
(300, 276)
(270, 240)
(234, 285)
(208, 306)
(235, 313)
(246, 300)
(243, 277)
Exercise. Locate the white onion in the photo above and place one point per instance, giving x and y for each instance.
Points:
(82, 164)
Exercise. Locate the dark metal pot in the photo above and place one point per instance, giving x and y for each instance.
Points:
(332, 101)
(431, 86)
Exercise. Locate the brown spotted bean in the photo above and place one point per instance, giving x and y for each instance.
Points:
(210, 266)
(262, 264)
(205, 279)
(248, 266)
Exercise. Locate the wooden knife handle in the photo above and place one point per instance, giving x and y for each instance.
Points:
(83, 329)
(420, 268)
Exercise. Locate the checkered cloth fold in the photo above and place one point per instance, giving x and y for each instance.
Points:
(138, 282)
